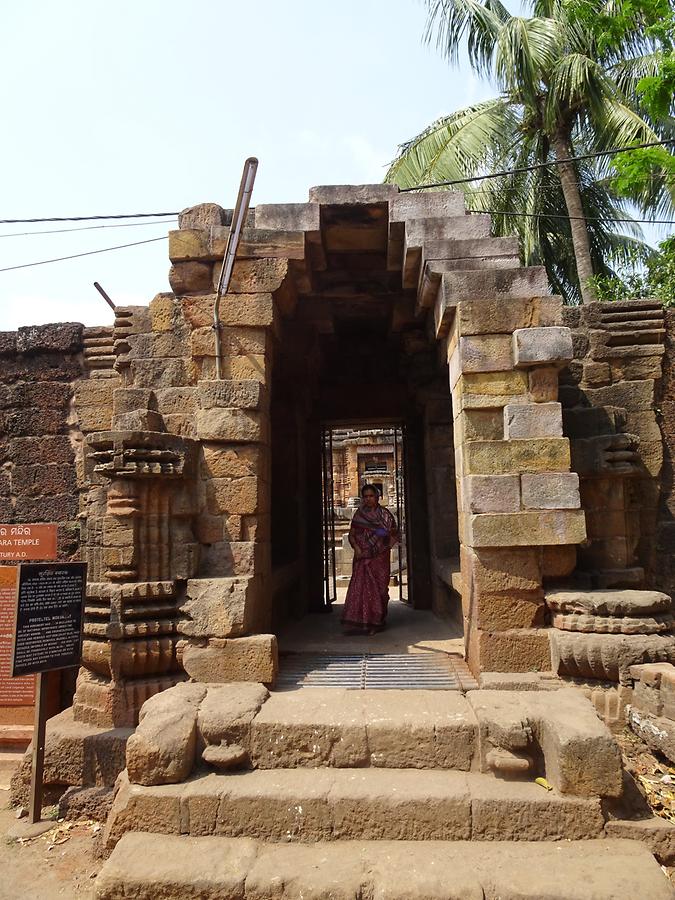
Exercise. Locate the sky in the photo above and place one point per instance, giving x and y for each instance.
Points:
(153, 105)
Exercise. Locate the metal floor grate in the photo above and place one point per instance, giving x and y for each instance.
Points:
(380, 671)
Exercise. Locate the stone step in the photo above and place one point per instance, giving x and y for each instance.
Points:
(147, 866)
(354, 804)
(338, 727)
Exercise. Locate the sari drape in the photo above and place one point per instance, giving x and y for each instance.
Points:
(374, 532)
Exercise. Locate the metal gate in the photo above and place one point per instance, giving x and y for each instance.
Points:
(327, 492)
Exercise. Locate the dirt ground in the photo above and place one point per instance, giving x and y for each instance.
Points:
(58, 864)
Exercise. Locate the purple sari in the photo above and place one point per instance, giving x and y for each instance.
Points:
(374, 532)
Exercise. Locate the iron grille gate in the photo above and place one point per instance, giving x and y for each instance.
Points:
(327, 491)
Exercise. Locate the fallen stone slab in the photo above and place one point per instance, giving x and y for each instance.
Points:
(162, 749)
(147, 866)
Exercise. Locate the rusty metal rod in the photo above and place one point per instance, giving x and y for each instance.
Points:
(238, 221)
(105, 296)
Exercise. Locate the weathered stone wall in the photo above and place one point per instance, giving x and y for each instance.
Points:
(38, 435)
(664, 557)
(609, 394)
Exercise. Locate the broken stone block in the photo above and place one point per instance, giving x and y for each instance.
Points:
(542, 346)
(558, 490)
(203, 215)
(226, 713)
(253, 658)
(225, 756)
(162, 749)
(490, 493)
(254, 276)
(532, 420)
(607, 656)
(588, 624)
(579, 754)
(219, 607)
(656, 833)
(609, 603)
(657, 732)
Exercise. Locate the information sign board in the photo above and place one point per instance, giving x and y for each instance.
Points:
(49, 611)
(25, 542)
(13, 691)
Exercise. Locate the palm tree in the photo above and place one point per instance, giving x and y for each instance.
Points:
(561, 95)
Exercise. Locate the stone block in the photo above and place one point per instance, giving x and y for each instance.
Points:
(558, 561)
(516, 650)
(657, 732)
(253, 658)
(236, 496)
(288, 216)
(516, 456)
(138, 420)
(579, 754)
(252, 367)
(251, 310)
(254, 276)
(523, 529)
(503, 612)
(479, 425)
(162, 749)
(489, 389)
(219, 607)
(230, 426)
(189, 244)
(633, 395)
(501, 571)
(231, 558)
(160, 373)
(542, 346)
(234, 341)
(490, 493)
(62, 337)
(227, 711)
(189, 277)
(532, 420)
(609, 602)
(504, 317)
(656, 833)
(607, 656)
(485, 353)
(230, 394)
(236, 461)
(543, 382)
(558, 490)
(203, 215)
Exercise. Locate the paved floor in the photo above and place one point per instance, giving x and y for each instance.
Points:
(408, 631)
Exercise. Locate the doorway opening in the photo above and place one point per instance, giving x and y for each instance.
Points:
(354, 456)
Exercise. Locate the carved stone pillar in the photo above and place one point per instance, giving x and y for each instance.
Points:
(139, 545)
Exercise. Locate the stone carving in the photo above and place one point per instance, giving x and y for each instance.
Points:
(139, 543)
(607, 656)
(613, 624)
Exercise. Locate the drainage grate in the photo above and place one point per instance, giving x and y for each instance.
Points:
(381, 671)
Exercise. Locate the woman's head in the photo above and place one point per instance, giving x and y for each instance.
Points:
(370, 495)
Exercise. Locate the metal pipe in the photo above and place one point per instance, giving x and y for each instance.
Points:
(105, 296)
(238, 221)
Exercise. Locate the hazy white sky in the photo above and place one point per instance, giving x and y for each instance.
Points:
(153, 105)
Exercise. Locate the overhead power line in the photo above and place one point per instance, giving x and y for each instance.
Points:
(608, 221)
(86, 228)
(43, 262)
(554, 162)
(87, 218)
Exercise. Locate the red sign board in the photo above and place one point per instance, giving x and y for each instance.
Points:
(22, 543)
(13, 691)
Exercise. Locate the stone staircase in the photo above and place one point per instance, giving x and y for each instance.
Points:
(329, 793)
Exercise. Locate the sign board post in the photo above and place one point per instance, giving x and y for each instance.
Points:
(47, 636)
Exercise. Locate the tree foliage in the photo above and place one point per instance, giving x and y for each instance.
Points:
(567, 79)
(656, 279)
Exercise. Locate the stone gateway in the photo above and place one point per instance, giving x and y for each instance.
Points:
(539, 497)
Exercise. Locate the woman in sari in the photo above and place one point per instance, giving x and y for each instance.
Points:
(372, 534)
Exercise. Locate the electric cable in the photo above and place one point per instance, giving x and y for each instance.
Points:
(43, 262)
(88, 218)
(544, 165)
(85, 228)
